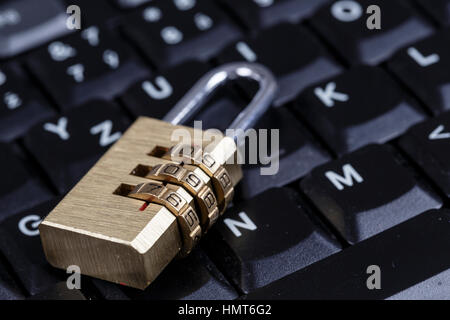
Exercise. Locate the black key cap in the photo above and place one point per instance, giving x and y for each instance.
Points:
(221, 110)
(129, 4)
(343, 25)
(98, 12)
(85, 66)
(438, 9)
(154, 97)
(8, 288)
(412, 258)
(422, 67)
(59, 292)
(294, 143)
(20, 188)
(69, 145)
(21, 245)
(293, 55)
(170, 32)
(26, 24)
(257, 14)
(367, 192)
(428, 144)
(359, 107)
(192, 278)
(21, 105)
(267, 238)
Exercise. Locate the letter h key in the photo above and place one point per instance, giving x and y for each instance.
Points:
(149, 199)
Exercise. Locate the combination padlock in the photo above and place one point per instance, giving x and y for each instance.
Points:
(150, 199)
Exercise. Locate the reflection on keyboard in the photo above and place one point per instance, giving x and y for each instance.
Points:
(364, 119)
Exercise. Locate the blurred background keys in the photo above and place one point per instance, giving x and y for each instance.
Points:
(21, 245)
(361, 106)
(21, 104)
(428, 144)
(411, 258)
(20, 188)
(294, 143)
(155, 96)
(92, 64)
(438, 9)
(26, 24)
(8, 288)
(129, 4)
(344, 25)
(191, 278)
(95, 13)
(258, 14)
(423, 68)
(266, 238)
(170, 32)
(67, 146)
(290, 52)
(367, 192)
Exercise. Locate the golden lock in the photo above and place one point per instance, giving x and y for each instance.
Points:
(129, 217)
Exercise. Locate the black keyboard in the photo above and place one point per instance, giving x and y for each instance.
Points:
(364, 120)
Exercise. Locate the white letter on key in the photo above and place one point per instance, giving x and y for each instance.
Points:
(329, 95)
(60, 129)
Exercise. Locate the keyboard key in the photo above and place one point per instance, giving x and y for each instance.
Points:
(438, 9)
(26, 24)
(344, 25)
(59, 292)
(367, 192)
(422, 67)
(359, 107)
(266, 238)
(428, 144)
(221, 110)
(258, 14)
(21, 105)
(294, 56)
(410, 258)
(21, 245)
(69, 145)
(93, 13)
(154, 97)
(191, 278)
(294, 144)
(89, 65)
(21, 188)
(8, 288)
(170, 32)
(129, 4)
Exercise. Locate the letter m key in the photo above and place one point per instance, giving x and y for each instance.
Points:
(350, 176)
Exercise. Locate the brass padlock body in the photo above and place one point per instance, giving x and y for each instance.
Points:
(108, 235)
